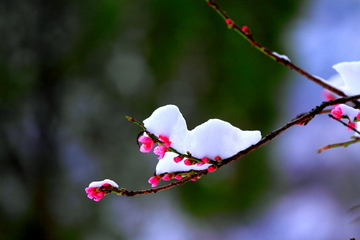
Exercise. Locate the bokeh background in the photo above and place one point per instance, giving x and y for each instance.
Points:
(71, 70)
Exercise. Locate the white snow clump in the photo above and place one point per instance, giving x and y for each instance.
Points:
(347, 79)
(101, 183)
(210, 139)
(282, 56)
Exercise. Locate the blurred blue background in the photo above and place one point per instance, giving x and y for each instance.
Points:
(71, 70)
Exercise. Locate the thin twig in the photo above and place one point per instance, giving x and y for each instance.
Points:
(342, 144)
(246, 33)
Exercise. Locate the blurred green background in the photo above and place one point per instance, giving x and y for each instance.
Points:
(71, 70)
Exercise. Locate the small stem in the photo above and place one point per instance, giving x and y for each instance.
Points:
(130, 119)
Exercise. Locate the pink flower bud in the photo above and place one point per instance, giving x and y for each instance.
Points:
(229, 22)
(166, 177)
(187, 162)
(211, 169)
(246, 30)
(94, 193)
(154, 181)
(160, 150)
(147, 144)
(178, 177)
(337, 112)
(165, 140)
(178, 159)
(217, 158)
(205, 160)
(199, 164)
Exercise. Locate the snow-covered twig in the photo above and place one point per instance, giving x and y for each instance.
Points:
(215, 143)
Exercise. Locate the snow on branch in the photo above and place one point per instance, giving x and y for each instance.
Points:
(186, 155)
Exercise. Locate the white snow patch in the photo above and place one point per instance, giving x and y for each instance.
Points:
(282, 56)
(101, 183)
(347, 79)
(210, 139)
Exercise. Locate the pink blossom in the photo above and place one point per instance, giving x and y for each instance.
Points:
(165, 140)
(217, 158)
(194, 179)
(160, 150)
(358, 116)
(94, 193)
(154, 181)
(147, 144)
(199, 164)
(337, 112)
(178, 177)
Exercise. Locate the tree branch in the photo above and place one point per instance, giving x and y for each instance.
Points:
(299, 120)
(246, 33)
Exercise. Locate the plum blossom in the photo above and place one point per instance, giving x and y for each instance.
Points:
(97, 190)
(154, 181)
(160, 149)
(165, 140)
(147, 144)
